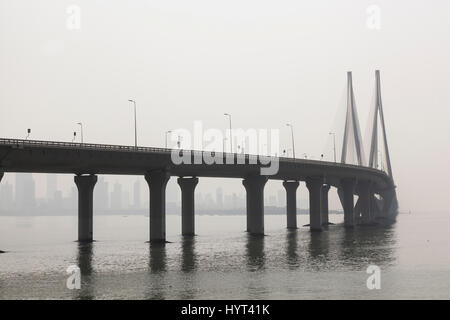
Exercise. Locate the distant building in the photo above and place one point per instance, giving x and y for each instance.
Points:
(51, 186)
(137, 195)
(6, 197)
(272, 201)
(234, 201)
(58, 201)
(219, 198)
(209, 202)
(101, 195)
(116, 197)
(281, 197)
(25, 193)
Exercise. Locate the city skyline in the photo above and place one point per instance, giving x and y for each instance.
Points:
(21, 195)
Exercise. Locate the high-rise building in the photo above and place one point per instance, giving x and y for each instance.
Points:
(137, 195)
(116, 197)
(25, 193)
(72, 200)
(209, 202)
(101, 195)
(281, 195)
(125, 199)
(51, 186)
(234, 201)
(272, 201)
(6, 196)
(219, 198)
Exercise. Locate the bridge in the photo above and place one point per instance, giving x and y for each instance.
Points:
(374, 188)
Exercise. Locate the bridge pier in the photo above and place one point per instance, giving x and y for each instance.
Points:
(324, 209)
(365, 202)
(254, 186)
(291, 203)
(157, 182)
(314, 185)
(85, 185)
(187, 186)
(348, 189)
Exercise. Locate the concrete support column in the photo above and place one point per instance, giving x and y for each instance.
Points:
(324, 209)
(314, 185)
(157, 182)
(187, 186)
(291, 203)
(85, 185)
(348, 189)
(254, 186)
(365, 201)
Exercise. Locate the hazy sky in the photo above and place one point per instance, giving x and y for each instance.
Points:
(265, 62)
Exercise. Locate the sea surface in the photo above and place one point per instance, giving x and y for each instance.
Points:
(223, 261)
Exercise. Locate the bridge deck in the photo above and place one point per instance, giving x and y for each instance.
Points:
(86, 158)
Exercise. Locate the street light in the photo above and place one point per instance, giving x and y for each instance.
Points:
(167, 132)
(135, 122)
(81, 129)
(334, 144)
(223, 144)
(292, 134)
(231, 139)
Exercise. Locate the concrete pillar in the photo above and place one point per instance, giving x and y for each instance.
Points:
(187, 186)
(85, 185)
(291, 203)
(348, 189)
(314, 185)
(254, 186)
(157, 182)
(365, 201)
(324, 209)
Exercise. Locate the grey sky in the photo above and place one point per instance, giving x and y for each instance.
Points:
(265, 62)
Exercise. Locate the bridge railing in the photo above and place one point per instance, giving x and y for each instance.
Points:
(109, 147)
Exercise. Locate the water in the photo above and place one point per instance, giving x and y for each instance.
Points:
(223, 262)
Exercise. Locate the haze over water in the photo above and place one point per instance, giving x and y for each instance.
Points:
(223, 262)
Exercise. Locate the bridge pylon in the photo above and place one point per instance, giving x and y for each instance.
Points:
(387, 206)
(352, 132)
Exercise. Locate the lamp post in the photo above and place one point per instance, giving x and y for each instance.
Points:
(334, 144)
(135, 122)
(167, 132)
(81, 129)
(292, 135)
(231, 139)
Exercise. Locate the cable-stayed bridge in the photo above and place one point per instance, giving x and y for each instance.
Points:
(372, 188)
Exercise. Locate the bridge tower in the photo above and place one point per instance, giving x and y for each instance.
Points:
(369, 206)
(352, 132)
(389, 205)
(378, 112)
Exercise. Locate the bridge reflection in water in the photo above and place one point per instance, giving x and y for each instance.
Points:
(189, 270)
